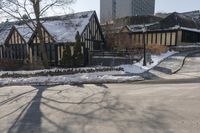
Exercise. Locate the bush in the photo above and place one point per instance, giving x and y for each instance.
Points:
(157, 49)
(67, 57)
(78, 55)
(9, 64)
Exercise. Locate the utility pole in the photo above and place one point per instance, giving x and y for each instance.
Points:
(144, 41)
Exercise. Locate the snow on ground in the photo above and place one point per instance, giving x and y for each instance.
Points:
(79, 78)
(28, 72)
(189, 46)
(97, 77)
(138, 68)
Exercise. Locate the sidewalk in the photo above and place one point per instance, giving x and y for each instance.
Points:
(170, 65)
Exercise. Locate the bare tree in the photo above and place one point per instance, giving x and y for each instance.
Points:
(34, 10)
(109, 36)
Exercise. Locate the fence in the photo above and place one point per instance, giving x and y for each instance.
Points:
(115, 58)
(14, 52)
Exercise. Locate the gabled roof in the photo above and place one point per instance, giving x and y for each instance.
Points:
(4, 31)
(61, 28)
(179, 19)
(174, 21)
(3, 35)
(64, 28)
(25, 31)
(140, 28)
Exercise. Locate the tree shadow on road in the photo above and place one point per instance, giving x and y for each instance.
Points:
(102, 85)
(30, 117)
(97, 109)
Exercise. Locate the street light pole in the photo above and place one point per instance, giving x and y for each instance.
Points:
(144, 41)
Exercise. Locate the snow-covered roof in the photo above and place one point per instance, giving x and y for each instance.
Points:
(25, 31)
(4, 31)
(176, 27)
(61, 28)
(3, 35)
(136, 28)
(139, 28)
(190, 29)
(64, 28)
(178, 19)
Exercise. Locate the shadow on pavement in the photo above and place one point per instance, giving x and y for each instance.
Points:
(30, 117)
(102, 85)
(96, 109)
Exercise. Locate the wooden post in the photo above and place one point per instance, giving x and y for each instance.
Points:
(144, 32)
(30, 55)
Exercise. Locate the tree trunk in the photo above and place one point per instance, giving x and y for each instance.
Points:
(42, 49)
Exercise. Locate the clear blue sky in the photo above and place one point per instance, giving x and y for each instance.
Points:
(161, 5)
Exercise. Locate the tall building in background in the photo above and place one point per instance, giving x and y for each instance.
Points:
(111, 9)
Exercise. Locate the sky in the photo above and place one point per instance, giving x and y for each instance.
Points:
(161, 5)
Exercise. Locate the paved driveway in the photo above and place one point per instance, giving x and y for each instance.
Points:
(190, 70)
(192, 64)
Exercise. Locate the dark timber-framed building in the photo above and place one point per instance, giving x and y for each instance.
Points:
(174, 30)
(19, 42)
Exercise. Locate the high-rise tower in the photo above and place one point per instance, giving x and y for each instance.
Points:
(111, 9)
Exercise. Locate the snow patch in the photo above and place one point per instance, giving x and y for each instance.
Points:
(138, 68)
(69, 79)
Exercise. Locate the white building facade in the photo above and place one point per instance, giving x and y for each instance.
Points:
(112, 9)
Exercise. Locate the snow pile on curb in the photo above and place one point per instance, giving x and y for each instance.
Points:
(68, 79)
(138, 68)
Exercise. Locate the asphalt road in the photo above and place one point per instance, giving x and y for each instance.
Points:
(164, 106)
